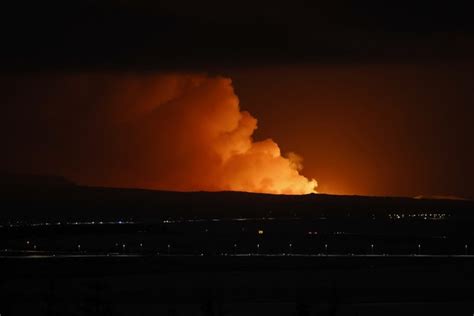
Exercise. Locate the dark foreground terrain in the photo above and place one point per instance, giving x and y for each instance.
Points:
(257, 285)
(72, 250)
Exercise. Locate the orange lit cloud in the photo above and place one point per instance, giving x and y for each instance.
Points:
(171, 132)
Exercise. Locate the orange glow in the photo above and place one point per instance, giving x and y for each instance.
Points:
(375, 129)
(169, 132)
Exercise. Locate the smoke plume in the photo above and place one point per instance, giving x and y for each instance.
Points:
(171, 132)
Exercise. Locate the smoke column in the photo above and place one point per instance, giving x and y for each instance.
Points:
(171, 132)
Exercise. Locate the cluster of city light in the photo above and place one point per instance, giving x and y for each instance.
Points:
(425, 216)
(397, 215)
(101, 223)
(40, 224)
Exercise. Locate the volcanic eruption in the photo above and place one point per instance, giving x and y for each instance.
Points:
(181, 132)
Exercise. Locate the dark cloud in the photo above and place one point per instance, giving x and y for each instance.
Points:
(209, 34)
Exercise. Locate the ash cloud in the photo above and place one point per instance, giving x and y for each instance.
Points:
(172, 132)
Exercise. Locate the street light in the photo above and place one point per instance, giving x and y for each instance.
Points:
(169, 248)
(258, 248)
(291, 247)
(79, 247)
(372, 248)
(465, 249)
(419, 248)
(326, 248)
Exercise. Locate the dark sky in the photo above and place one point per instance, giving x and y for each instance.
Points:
(376, 97)
(153, 35)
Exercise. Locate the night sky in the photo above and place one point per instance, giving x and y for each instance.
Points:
(376, 98)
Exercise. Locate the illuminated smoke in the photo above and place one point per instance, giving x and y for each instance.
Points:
(171, 132)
